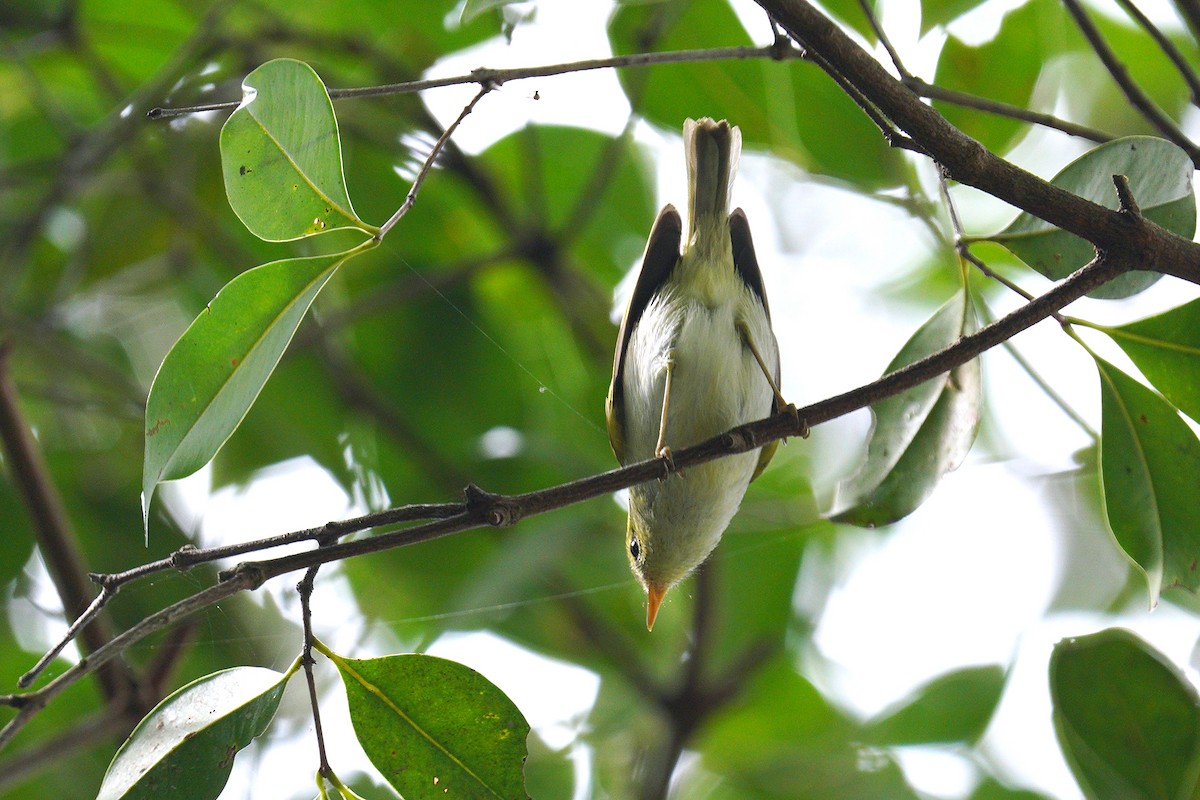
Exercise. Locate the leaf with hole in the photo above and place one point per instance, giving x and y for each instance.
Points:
(282, 157)
(184, 748)
(1127, 720)
(1149, 460)
(1160, 178)
(1166, 348)
(920, 434)
(435, 728)
(212, 375)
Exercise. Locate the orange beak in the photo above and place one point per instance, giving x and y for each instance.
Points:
(654, 597)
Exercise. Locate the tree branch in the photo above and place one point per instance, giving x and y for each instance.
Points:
(935, 92)
(1122, 240)
(1168, 47)
(486, 76)
(483, 509)
(55, 539)
(1133, 93)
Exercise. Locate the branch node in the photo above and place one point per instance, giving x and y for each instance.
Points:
(257, 574)
(494, 509)
(184, 558)
(1125, 197)
(487, 78)
(14, 700)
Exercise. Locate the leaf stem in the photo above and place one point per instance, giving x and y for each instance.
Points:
(429, 161)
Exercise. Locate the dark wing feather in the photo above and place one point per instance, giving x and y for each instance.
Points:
(746, 264)
(662, 254)
(744, 260)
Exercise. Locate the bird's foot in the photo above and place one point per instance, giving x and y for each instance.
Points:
(668, 460)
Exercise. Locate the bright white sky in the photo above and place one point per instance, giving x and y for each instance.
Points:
(965, 580)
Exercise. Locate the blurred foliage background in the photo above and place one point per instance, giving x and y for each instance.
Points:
(476, 346)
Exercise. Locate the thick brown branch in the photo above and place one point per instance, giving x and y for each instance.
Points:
(968, 162)
(55, 538)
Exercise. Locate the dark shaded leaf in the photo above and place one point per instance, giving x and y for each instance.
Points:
(1149, 460)
(1126, 719)
(1166, 348)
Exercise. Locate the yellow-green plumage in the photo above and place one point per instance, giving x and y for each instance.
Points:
(695, 322)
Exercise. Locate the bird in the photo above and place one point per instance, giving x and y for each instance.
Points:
(695, 356)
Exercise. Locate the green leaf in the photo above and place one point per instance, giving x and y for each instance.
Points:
(850, 14)
(943, 12)
(1004, 69)
(471, 9)
(790, 109)
(184, 748)
(991, 789)
(782, 739)
(1149, 460)
(955, 707)
(1166, 348)
(282, 157)
(212, 375)
(435, 728)
(1160, 176)
(918, 435)
(1126, 719)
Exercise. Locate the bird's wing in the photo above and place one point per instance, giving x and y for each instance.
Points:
(662, 254)
(746, 264)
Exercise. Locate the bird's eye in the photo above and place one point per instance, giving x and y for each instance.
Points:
(635, 549)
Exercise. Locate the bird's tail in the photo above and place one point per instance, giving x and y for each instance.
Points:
(712, 150)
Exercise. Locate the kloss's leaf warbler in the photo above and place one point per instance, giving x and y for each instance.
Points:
(695, 356)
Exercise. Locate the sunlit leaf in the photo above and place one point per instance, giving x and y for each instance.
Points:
(942, 12)
(435, 728)
(1160, 177)
(184, 748)
(918, 435)
(282, 157)
(1149, 460)
(1126, 719)
(1166, 348)
(212, 375)
(471, 9)
(1003, 69)
(955, 707)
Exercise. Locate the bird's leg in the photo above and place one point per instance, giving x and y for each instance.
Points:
(780, 403)
(660, 448)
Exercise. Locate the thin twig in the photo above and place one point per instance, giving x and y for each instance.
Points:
(1168, 47)
(429, 162)
(882, 36)
(955, 97)
(1041, 382)
(486, 76)
(1133, 93)
(305, 589)
(93, 609)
